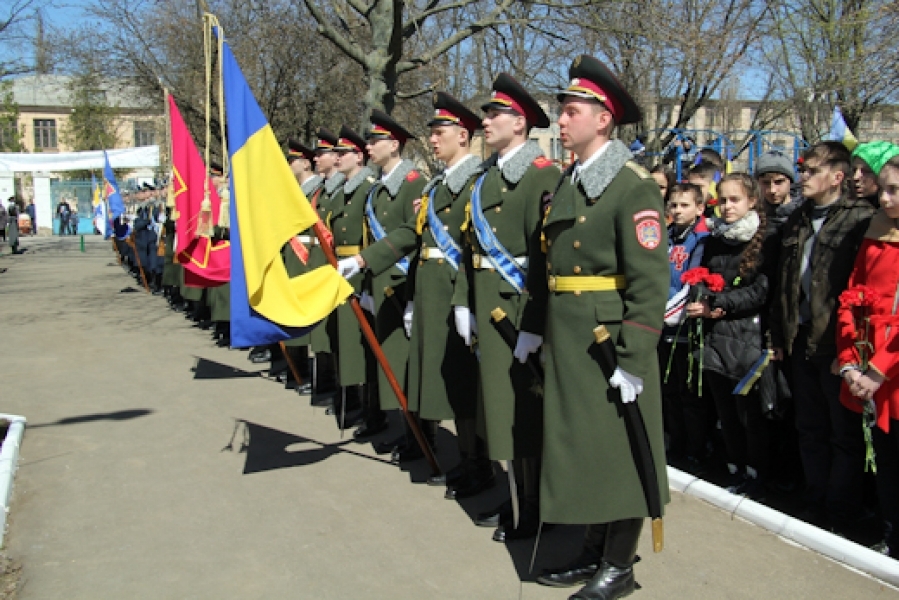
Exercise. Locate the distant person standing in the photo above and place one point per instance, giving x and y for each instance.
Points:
(12, 228)
(31, 210)
(4, 219)
(64, 212)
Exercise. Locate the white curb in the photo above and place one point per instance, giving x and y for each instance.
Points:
(797, 531)
(9, 461)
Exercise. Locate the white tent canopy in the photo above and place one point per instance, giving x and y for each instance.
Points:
(126, 158)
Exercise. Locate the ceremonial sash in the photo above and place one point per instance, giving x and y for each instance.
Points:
(505, 263)
(451, 251)
(377, 230)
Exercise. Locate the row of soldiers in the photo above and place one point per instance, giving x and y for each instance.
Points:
(438, 263)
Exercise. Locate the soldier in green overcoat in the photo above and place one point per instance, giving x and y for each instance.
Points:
(390, 203)
(301, 159)
(442, 380)
(357, 369)
(505, 215)
(605, 262)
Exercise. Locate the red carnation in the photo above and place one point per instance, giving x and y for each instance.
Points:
(694, 276)
(714, 282)
(859, 295)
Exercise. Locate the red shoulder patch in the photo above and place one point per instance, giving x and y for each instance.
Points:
(541, 162)
(412, 176)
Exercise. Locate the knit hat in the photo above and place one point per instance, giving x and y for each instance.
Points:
(775, 162)
(876, 154)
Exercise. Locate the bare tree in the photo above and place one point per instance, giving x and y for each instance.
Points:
(834, 52)
(15, 36)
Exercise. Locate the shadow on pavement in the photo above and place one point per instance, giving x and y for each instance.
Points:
(268, 449)
(209, 369)
(120, 415)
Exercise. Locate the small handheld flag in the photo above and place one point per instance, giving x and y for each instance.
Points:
(839, 131)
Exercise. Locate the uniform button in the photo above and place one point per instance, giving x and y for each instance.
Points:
(343, 228)
(581, 219)
(577, 269)
(577, 292)
(447, 209)
(577, 243)
(494, 230)
(499, 209)
(549, 243)
(446, 227)
(549, 266)
(439, 261)
(385, 213)
(505, 189)
(349, 202)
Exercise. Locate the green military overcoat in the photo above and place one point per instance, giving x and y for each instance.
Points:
(324, 337)
(355, 362)
(312, 188)
(511, 203)
(442, 379)
(611, 222)
(169, 266)
(393, 201)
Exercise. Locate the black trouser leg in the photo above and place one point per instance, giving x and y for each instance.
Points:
(734, 435)
(527, 481)
(830, 435)
(886, 446)
(595, 539)
(621, 542)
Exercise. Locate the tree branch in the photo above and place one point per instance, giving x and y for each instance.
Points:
(334, 36)
(421, 92)
(411, 26)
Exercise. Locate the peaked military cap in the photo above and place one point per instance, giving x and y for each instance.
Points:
(589, 78)
(215, 167)
(326, 140)
(384, 128)
(296, 149)
(350, 141)
(449, 111)
(508, 93)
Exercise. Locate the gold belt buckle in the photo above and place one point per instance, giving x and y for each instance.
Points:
(551, 283)
(476, 261)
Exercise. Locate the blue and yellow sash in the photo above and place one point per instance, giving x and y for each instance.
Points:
(505, 263)
(451, 251)
(377, 230)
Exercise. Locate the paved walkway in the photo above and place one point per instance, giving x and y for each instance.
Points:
(158, 466)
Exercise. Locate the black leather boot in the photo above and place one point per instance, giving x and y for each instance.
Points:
(527, 479)
(480, 477)
(453, 475)
(495, 516)
(615, 578)
(584, 567)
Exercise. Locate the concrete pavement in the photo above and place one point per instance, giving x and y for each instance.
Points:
(158, 466)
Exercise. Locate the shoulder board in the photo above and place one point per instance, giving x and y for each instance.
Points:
(541, 162)
(412, 176)
(641, 172)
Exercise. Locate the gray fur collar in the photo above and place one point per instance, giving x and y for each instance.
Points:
(456, 180)
(310, 185)
(356, 180)
(597, 177)
(517, 166)
(333, 182)
(396, 179)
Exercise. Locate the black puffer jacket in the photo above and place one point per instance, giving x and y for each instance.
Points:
(734, 342)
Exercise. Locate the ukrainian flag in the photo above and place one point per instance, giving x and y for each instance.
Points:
(267, 210)
(744, 386)
(839, 131)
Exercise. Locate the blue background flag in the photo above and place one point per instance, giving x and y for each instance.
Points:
(113, 197)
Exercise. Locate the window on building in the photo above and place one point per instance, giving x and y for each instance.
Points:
(9, 137)
(45, 134)
(144, 133)
(711, 118)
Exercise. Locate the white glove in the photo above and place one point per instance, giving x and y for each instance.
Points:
(348, 267)
(407, 319)
(367, 302)
(527, 344)
(629, 385)
(463, 323)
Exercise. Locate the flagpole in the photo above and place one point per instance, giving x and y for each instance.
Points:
(319, 229)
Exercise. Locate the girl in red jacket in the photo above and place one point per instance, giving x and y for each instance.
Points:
(877, 268)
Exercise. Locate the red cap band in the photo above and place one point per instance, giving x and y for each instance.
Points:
(585, 86)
